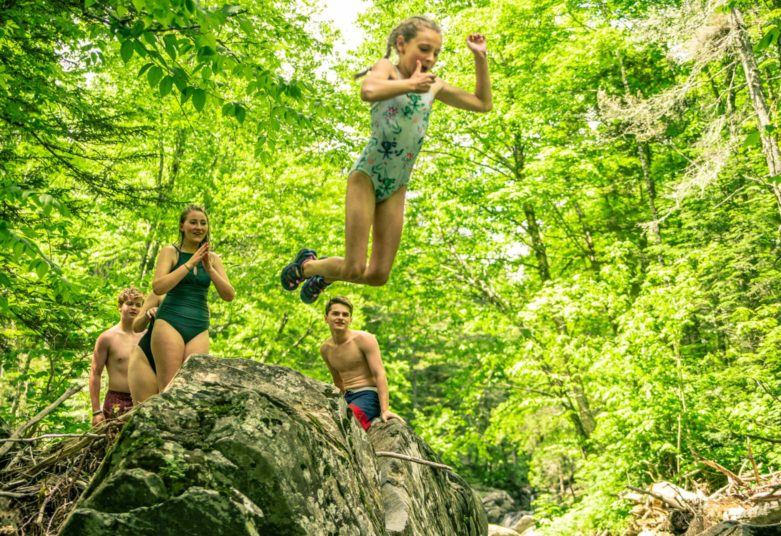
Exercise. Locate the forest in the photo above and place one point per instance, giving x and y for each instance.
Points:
(587, 292)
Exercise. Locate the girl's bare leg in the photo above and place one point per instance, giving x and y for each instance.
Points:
(140, 377)
(168, 349)
(197, 345)
(386, 236)
(359, 215)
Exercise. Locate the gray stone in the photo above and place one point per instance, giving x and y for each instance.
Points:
(498, 530)
(526, 522)
(497, 504)
(734, 528)
(239, 447)
(765, 513)
(420, 499)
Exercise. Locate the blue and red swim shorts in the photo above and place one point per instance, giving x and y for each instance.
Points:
(364, 403)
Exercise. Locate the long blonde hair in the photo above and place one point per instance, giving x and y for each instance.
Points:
(408, 29)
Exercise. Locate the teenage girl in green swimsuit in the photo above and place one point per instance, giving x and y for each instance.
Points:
(184, 272)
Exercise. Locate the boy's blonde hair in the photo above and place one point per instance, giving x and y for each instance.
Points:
(129, 294)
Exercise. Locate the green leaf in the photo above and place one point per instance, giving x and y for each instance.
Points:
(88, 3)
(166, 84)
(150, 38)
(228, 109)
(199, 99)
(145, 68)
(126, 50)
(229, 9)
(769, 38)
(138, 46)
(180, 79)
(189, 5)
(205, 52)
(41, 268)
(137, 28)
(170, 45)
(241, 113)
(154, 75)
(775, 180)
(188, 91)
(294, 90)
(753, 139)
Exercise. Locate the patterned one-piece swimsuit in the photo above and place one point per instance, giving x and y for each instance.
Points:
(398, 127)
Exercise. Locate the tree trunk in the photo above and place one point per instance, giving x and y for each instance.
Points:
(758, 101)
(532, 227)
(152, 244)
(538, 245)
(644, 164)
(592, 252)
(21, 390)
(584, 408)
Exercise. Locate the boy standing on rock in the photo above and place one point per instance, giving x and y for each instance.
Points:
(353, 357)
(112, 351)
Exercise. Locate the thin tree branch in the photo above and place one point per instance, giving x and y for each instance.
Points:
(385, 454)
(48, 409)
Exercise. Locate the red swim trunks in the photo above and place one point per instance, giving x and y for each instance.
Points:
(116, 403)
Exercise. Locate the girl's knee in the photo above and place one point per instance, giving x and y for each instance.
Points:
(378, 278)
(353, 271)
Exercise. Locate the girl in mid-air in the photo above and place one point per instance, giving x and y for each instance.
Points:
(401, 97)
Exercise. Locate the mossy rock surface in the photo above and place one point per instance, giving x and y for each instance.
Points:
(236, 447)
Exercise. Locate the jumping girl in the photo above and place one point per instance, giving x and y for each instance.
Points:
(401, 97)
(184, 273)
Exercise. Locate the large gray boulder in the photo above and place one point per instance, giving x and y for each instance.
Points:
(420, 499)
(236, 447)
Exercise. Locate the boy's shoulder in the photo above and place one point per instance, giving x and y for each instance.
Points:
(329, 342)
(106, 338)
(110, 331)
(362, 336)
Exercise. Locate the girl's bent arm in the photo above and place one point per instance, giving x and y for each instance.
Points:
(480, 100)
(165, 279)
(141, 320)
(220, 279)
(378, 85)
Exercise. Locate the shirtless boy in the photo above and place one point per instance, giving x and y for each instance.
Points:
(112, 350)
(353, 357)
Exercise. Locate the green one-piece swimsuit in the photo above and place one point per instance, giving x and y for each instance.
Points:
(185, 306)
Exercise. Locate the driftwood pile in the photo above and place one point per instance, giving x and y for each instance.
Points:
(41, 477)
(750, 504)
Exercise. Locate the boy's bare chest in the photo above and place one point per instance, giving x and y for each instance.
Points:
(121, 345)
(346, 357)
